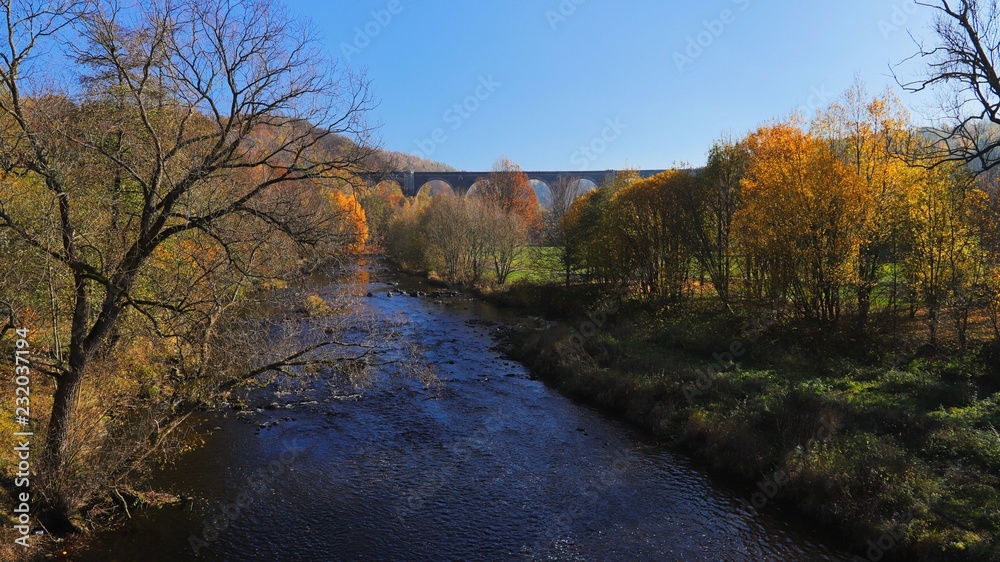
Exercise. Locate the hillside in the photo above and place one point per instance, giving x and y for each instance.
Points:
(408, 162)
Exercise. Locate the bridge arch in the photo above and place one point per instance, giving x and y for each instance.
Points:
(543, 191)
(388, 187)
(459, 182)
(434, 186)
(582, 185)
(475, 189)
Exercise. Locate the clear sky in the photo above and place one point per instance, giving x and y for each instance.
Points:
(602, 84)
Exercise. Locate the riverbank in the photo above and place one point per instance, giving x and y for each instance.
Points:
(900, 454)
(482, 463)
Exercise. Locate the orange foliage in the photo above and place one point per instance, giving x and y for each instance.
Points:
(509, 188)
(353, 223)
(802, 217)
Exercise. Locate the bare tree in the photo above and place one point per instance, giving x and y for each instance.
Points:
(963, 66)
(506, 237)
(198, 121)
(565, 192)
(445, 232)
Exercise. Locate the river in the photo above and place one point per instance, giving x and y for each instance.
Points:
(488, 464)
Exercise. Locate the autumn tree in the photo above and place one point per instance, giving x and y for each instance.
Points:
(504, 237)
(460, 239)
(380, 204)
(563, 193)
(580, 231)
(644, 229)
(445, 227)
(587, 245)
(945, 261)
(508, 187)
(193, 117)
(351, 230)
(404, 239)
(985, 217)
(869, 136)
(800, 219)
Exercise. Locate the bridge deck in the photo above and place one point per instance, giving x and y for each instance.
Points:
(460, 182)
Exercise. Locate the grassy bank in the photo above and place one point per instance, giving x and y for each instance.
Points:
(900, 449)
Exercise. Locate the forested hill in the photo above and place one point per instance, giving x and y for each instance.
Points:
(404, 161)
(378, 159)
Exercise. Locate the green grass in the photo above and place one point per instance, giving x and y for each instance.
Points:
(539, 265)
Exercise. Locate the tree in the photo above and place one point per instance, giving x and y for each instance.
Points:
(200, 121)
(580, 231)
(985, 212)
(708, 209)
(403, 240)
(587, 247)
(505, 237)
(565, 191)
(944, 261)
(508, 188)
(446, 231)
(869, 135)
(644, 229)
(381, 204)
(963, 64)
(459, 239)
(800, 219)
(352, 229)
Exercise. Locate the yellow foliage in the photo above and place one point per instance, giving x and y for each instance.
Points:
(316, 306)
(643, 229)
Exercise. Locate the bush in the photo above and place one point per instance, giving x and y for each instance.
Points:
(316, 306)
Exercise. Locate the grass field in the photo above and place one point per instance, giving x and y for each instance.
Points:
(538, 265)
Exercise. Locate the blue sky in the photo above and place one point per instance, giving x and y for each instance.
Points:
(597, 84)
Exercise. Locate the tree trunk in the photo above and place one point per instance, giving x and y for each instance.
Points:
(932, 323)
(63, 402)
(60, 510)
(864, 294)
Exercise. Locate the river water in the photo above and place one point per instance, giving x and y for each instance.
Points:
(488, 464)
